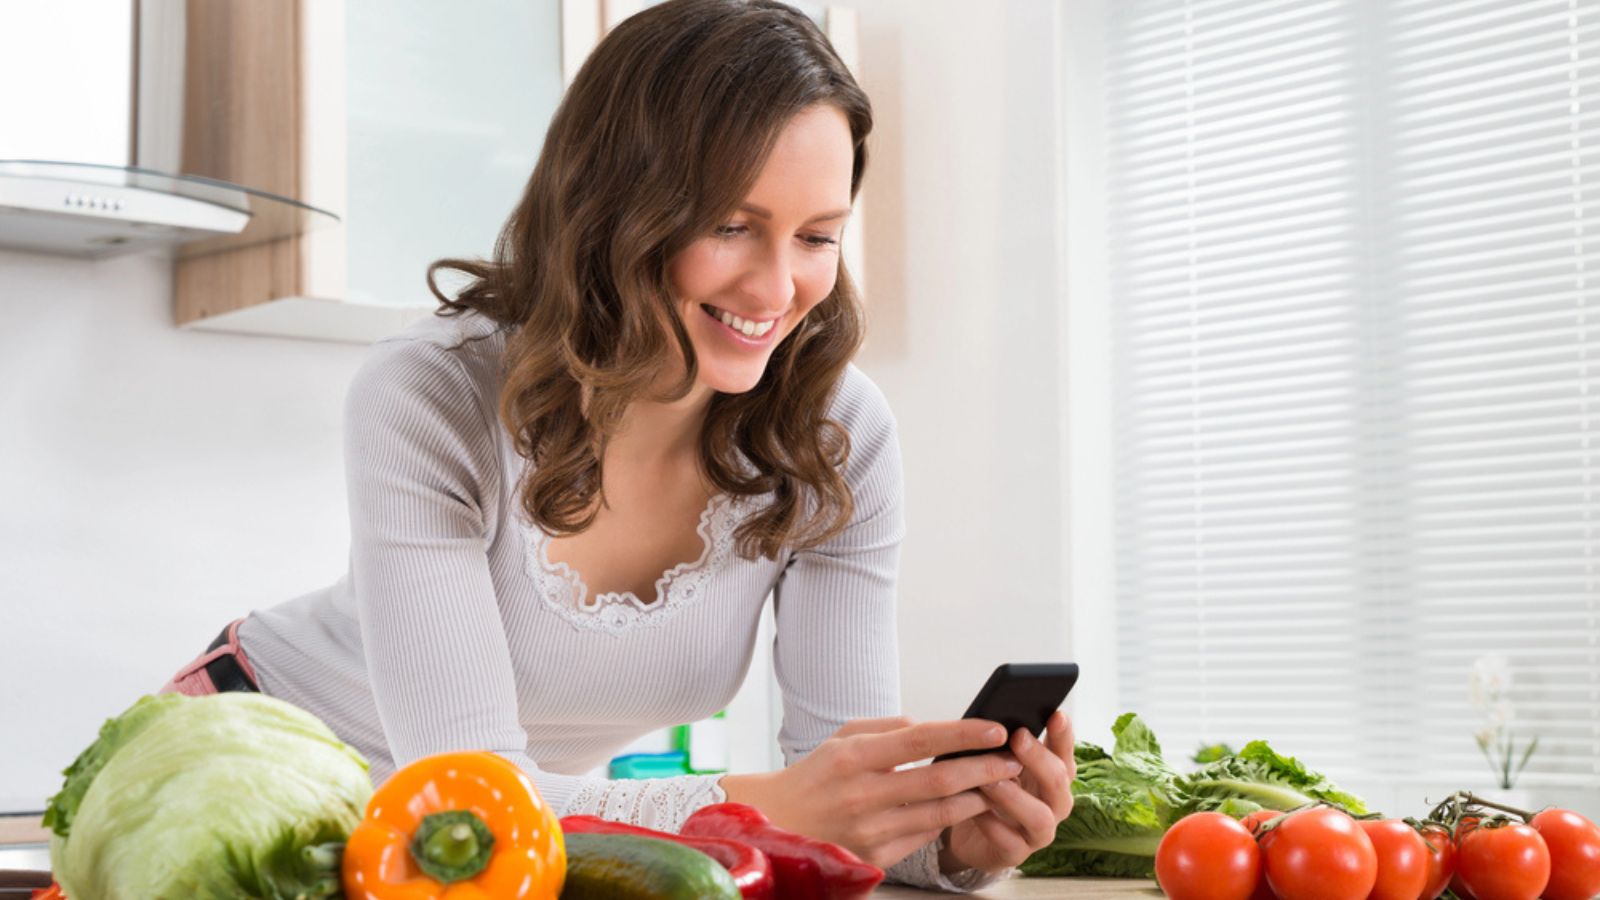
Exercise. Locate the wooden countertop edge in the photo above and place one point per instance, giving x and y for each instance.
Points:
(1042, 889)
(22, 830)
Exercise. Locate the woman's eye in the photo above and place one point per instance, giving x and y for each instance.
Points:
(814, 241)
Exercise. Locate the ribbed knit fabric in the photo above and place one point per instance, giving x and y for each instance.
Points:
(451, 630)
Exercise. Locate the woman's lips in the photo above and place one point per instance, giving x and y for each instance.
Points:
(739, 337)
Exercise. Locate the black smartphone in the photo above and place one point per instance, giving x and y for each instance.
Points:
(1020, 695)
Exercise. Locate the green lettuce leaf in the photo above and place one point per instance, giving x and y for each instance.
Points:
(1114, 828)
(1106, 835)
(1126, 799)
(63, 807)
(234, 795)
(1210, 753)
(1257, 778)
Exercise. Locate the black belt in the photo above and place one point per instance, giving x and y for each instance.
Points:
(225, 671)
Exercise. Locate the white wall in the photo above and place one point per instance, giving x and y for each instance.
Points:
(156, 483)
(962, 277)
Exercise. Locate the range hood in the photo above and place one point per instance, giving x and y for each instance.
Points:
(89, 210)
(120, 144)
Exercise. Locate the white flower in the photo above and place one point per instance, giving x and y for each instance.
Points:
(1491, 680)
(1501, 715)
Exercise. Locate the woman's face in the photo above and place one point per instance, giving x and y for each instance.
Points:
(774, 259)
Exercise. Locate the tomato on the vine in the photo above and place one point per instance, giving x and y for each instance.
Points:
(1502, 861)
(1574, 845)
(1441, 858)
(1402, 859)
(1254, 823)
(1207, 856)
(1321, 854)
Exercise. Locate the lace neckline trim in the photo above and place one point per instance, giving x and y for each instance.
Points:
(563, 590)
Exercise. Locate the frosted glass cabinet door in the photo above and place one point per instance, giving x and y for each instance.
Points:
(447, 108)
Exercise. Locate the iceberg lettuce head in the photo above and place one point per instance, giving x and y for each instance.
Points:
(231, 795)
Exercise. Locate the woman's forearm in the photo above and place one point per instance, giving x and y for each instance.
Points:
(751, 790)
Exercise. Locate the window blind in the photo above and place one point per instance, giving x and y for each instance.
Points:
(1356, 375)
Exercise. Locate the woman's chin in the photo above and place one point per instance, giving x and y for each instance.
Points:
(732, 379)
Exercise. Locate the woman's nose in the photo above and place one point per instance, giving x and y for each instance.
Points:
(771, 280)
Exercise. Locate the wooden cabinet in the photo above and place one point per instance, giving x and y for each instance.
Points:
(417, 123)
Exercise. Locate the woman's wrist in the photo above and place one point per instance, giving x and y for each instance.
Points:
(750, 789)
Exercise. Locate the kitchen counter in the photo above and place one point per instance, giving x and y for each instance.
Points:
(1040, 888)
(25, 834)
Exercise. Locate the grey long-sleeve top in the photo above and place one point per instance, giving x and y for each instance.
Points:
(453, 630)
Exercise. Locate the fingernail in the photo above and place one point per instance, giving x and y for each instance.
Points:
(1013, 768)
(997, 734)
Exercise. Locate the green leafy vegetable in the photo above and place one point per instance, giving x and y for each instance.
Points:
(1210, 753)
(1125, 800)
(114, 733)
(1257, 778)
(232, 795)
(1114, 828)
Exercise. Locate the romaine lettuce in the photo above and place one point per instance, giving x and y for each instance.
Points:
(1113, 828)
(1257, 778)
(1125, 800)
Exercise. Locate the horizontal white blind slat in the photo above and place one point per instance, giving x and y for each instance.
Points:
(1353, 249)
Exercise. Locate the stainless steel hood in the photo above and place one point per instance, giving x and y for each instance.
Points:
(101, 154)
(86, 210)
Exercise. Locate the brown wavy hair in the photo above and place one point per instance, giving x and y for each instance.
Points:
(658, 140)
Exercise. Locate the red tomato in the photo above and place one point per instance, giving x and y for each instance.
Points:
(1402, 859)
(1441, 859)
(1574, 844)
(1207, 856)
(1466, 824)
(1321, 854)
(1508, 862)
(1253, 824)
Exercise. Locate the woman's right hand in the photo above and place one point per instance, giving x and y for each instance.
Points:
(848, 790)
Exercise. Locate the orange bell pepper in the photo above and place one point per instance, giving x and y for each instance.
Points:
(456, 826)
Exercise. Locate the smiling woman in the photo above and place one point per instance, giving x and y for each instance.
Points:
(601, 322)
(572, 491)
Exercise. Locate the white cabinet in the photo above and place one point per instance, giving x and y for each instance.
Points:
(420, 125)
(446, 116)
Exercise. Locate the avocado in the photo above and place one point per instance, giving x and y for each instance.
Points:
(634, 867)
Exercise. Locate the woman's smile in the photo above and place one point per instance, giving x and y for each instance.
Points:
(748, 333)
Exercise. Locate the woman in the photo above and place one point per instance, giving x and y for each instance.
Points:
(571, 491)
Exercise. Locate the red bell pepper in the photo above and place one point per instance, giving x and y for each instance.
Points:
(806, 868)
(750, 869)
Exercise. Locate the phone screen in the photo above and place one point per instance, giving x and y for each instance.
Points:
(1020, 695)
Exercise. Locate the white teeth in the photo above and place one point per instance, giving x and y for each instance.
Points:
(749, 328)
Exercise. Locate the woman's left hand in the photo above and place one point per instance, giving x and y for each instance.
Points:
(1023, 812)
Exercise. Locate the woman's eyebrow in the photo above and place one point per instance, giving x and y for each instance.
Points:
(765, 213)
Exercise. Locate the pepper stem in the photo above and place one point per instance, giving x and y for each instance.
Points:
(452, 846)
